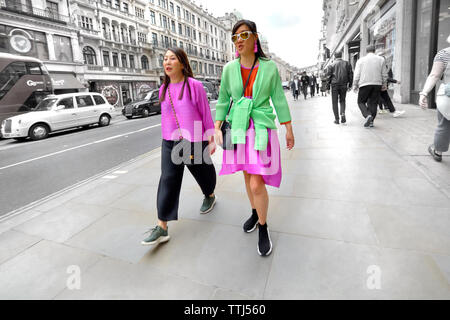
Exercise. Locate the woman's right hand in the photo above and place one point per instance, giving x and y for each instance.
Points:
(423, 101)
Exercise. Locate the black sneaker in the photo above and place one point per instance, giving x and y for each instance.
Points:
(264, 242)
(371, 124)
(336, 121)
(369, 119)
(343, 119)
(250, 224)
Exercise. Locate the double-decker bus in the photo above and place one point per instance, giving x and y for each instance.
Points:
(24, 82)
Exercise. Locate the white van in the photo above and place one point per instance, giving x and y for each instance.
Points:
(59, 112)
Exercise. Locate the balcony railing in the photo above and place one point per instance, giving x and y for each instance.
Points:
(47, 14)
(90, 31)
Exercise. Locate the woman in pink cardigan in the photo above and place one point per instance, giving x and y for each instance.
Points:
(188, 140)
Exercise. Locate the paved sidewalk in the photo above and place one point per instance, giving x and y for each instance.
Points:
(356, 206)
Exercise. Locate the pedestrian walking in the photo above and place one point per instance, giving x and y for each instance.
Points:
(312, 84)
(442, 135)
(305, 84)
(340, 75)
(251, 81)
(317, 84)
(370, 78)
(188, 140)
(385, 99)
(295, 87)
(324, 83)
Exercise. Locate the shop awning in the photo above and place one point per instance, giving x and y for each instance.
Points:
(65, 81)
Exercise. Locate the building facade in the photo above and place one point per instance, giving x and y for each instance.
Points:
(407, 32)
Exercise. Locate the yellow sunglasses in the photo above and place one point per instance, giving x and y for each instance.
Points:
(243, 35)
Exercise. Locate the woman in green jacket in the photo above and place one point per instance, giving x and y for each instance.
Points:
(253, 128)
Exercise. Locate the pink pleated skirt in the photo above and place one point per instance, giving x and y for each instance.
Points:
(264, 163)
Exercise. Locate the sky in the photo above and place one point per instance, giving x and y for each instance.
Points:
(292, 27)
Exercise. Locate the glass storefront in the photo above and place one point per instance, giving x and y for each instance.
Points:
(423, 32)
(444, 24)
(382, 32)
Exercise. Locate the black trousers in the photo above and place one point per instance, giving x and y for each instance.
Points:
(368, 98)
(169, 188)
(338, 94)
(305, 91)
(385, 100)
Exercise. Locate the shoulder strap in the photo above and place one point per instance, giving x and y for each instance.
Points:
(174, 113)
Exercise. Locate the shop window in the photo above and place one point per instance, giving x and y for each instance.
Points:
(89, 56)
(444, 24)
(423, 31)
(63, 49)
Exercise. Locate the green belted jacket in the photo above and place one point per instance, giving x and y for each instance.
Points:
(267, 86)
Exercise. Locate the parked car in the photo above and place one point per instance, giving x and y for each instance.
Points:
(208, 93)
(286, 85)
(148, 103)
(59, 112)
(212, 90)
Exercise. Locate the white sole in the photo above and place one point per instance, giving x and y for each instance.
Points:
(158, 241)
(271, 247)
(254, 228)
(212, 207)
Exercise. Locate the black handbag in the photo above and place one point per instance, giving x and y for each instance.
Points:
(226, 126)
(181, 145)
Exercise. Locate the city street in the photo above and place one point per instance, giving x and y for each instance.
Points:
(361, 214)
(31, 171)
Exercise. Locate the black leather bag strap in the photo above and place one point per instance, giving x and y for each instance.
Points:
(246, 84)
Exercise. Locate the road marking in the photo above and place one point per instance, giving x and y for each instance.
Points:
(151, 155)
(78, 147)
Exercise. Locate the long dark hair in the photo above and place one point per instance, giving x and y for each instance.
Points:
(187, 72)
(252, 26)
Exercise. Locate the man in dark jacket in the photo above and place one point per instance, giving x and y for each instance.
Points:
(340, 75)
(312, 84)
(305, 84)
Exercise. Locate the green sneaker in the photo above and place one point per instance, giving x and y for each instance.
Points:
(208, 204)
(158, 235)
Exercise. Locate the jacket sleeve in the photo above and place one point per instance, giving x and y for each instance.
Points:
(223, 102)
(330, 71)
(384, 73)
(357, 74)
(203, 107)
(279, 98)
(350, 74)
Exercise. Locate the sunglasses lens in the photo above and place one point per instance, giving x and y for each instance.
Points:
(234, 38)
(245, 35)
